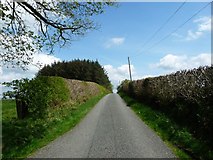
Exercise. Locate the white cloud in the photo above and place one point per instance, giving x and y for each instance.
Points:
(9, 74)
(203, 25)
(42, 59)
(177, 62)
(1, 71)
(116, 41)
(177, 35)
(193, 35)
(118, 74)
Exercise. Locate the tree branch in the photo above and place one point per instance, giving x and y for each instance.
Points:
(45, 20)
(43, 6)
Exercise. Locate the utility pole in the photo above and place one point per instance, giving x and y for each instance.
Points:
(211, 34)
(130, 74)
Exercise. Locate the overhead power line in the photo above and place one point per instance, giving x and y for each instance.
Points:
(164, 24)
(180, 26)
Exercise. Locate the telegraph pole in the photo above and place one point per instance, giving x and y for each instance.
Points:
(211, 34)
(130, 74)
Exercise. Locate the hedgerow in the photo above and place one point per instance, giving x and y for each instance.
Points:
(186, 96)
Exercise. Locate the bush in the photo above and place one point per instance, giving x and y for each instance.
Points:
(39, 93)
(186, 96)
(46, 92)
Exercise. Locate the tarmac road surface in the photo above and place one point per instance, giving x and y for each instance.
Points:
(109, 130)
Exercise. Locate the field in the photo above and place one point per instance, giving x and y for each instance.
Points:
(22, 137)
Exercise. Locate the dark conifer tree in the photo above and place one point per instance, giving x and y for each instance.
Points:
(85, 70)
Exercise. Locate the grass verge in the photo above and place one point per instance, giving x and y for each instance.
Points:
(23, 137)
(182, 143)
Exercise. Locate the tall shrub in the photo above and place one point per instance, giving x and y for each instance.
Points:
(186, 96)
(39, 93)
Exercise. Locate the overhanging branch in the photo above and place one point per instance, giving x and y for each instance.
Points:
(37, 15)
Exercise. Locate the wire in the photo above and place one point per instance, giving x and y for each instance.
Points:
(164, 24)
(180, 26)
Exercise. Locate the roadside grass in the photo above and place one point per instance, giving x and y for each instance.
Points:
(23, 137)
(182, 143)
(10, 111)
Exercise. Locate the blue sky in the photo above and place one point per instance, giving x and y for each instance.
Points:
(125, 28)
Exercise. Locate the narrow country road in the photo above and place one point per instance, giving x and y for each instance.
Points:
(110, 130)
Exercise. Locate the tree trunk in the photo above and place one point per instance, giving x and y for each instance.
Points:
(21, 108)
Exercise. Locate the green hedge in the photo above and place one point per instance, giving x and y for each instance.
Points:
(186, 96)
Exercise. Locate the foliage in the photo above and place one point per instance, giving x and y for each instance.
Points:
(182, 142)
(23, 137)
(53, 111)
(47, 92)
(39, 93)
(29, 26)
(18, 88)
(78, 69)
(10, 111)
(186, 96)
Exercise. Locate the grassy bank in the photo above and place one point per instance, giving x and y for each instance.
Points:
(183, 144)
(23, 137)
